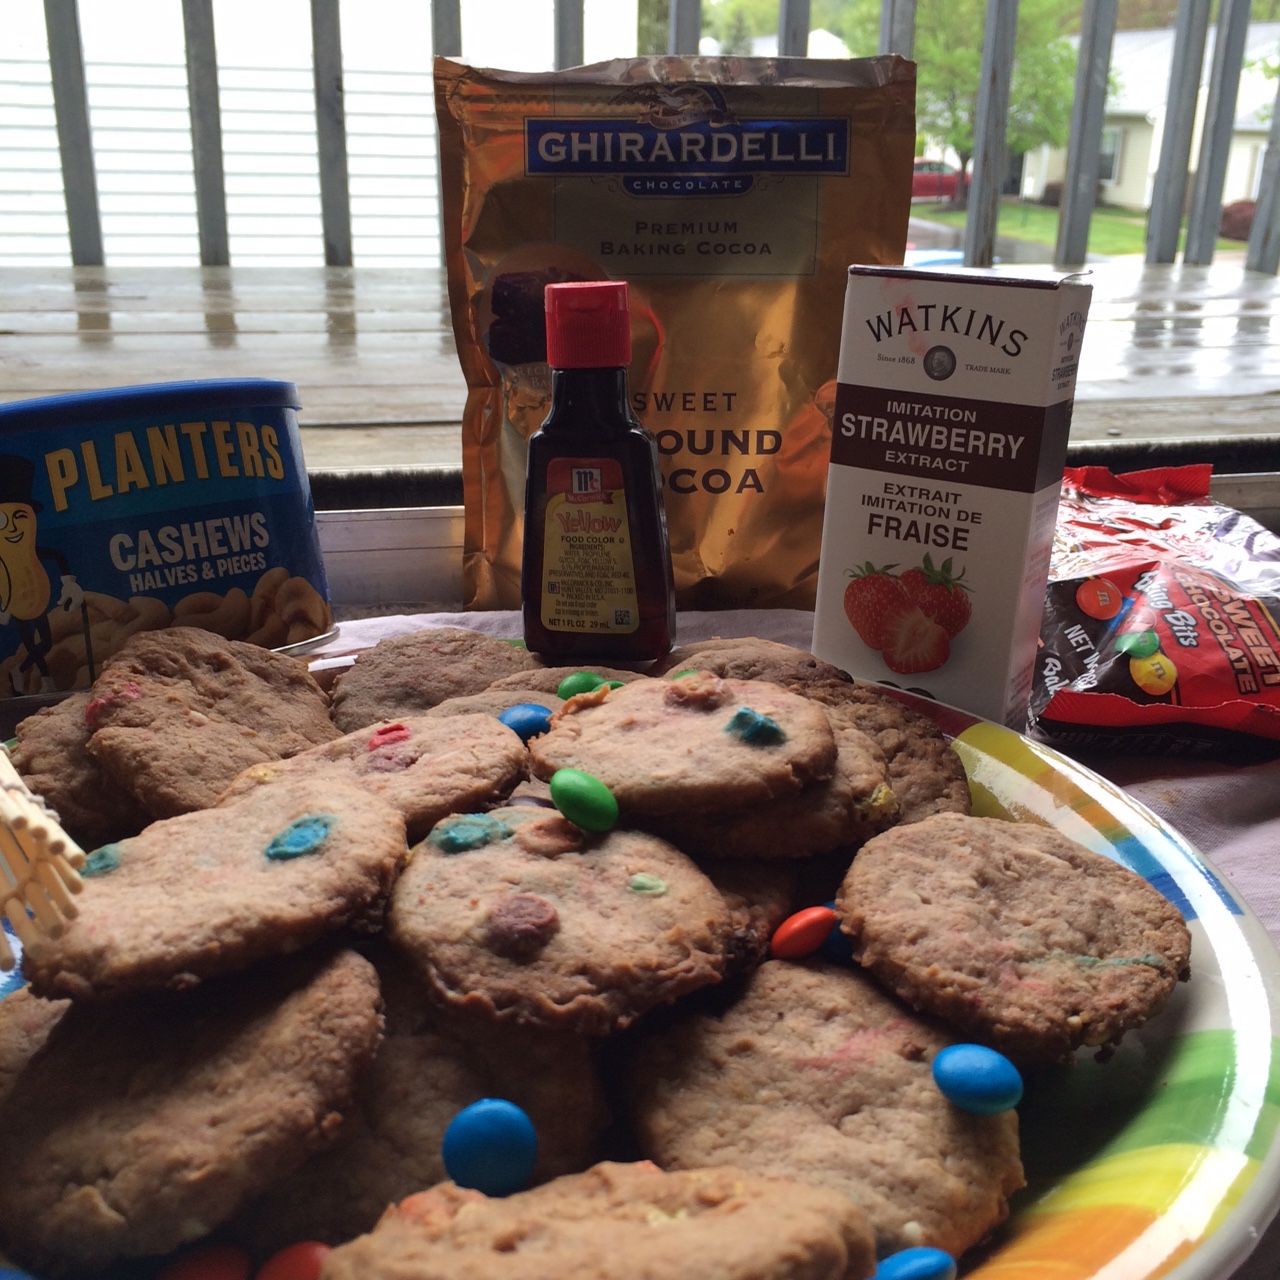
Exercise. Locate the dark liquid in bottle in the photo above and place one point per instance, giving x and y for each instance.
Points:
(596, 576)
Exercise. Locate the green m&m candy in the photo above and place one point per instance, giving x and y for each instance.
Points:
(1138, 644)
(578, 682)
(584, 800)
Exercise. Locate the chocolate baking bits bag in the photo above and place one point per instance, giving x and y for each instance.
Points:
(732, 194)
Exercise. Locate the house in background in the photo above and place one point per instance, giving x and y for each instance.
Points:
(1140, 62)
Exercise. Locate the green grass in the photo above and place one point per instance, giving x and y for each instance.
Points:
(1112, 232)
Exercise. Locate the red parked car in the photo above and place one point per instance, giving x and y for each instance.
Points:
(934, 180)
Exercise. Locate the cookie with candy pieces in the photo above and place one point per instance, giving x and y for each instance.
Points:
(406, 675)
(616, 1222)
(1014, 933)
(495, 701)
(751, 658)
(211, 892)
(144, 1124)
(925, 773)
(567, 681)
(425, 767)
(26, 1022)
(663, 747)
(431, 1064)
(520, 915)
(52, 755)
(837, 813)
(816, 1074)
(760, 894)
(177, 714)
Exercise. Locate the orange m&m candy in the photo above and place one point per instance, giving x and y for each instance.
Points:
(1099, 598)
(801, 934)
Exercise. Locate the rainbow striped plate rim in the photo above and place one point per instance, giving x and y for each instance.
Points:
(1163, 1161)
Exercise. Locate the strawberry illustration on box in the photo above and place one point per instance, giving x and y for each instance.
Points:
(940, 594)
(948, 435)
(910, 618)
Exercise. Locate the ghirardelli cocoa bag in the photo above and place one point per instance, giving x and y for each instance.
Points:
(732, 194)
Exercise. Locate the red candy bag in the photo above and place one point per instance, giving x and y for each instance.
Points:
(1161, 627)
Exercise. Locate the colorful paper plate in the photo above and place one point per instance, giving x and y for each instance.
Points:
(1163, 1161)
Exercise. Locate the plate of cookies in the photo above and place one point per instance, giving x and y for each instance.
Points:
(471, 965)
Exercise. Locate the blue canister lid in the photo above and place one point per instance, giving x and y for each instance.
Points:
(157, 397)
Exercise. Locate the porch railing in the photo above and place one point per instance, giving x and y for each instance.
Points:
(80, 186)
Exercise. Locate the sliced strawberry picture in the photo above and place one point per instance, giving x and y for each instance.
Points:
(914, 641)
(940, 594)
(871, 596)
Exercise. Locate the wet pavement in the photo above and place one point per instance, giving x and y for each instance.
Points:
(1170, 353)
(923, 235)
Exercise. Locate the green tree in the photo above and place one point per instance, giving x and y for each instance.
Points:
(737, 39)
(948, 56)
(652, 18)
(734, 22)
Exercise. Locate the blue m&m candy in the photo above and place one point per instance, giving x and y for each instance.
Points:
(527, 719)
(977, 1079)
(491, 1146)
(917, 1264)
(837, 945)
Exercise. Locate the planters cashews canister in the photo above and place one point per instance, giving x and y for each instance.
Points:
(136, 508)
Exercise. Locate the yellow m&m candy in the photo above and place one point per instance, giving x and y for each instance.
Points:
(1155, 674)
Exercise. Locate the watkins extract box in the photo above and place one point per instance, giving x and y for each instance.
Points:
(952, 412)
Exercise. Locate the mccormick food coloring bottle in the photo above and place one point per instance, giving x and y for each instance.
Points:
(596, 579)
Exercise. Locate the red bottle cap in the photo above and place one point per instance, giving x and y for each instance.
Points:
(588, 325)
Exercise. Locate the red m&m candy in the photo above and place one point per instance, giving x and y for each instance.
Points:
(298, 1262)
(801, 934)
(208, 1262)
(387, 735)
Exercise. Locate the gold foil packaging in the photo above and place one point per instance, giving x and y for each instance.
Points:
(732, 194)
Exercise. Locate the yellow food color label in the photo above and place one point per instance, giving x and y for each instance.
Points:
(588, 571)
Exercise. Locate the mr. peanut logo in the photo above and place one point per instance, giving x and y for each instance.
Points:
(25, 587)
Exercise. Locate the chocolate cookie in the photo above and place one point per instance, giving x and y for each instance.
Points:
(390, 1146)
(404, 675)
(814, 1074)
(839, 813)
(1023, 938)
(53, 758)
(664, 747)
(177, 714)
(617, 1222)
(145, 1124)
(925, 773)
(751, 658)
(426, 768)
(213, 891)
(518, 915)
